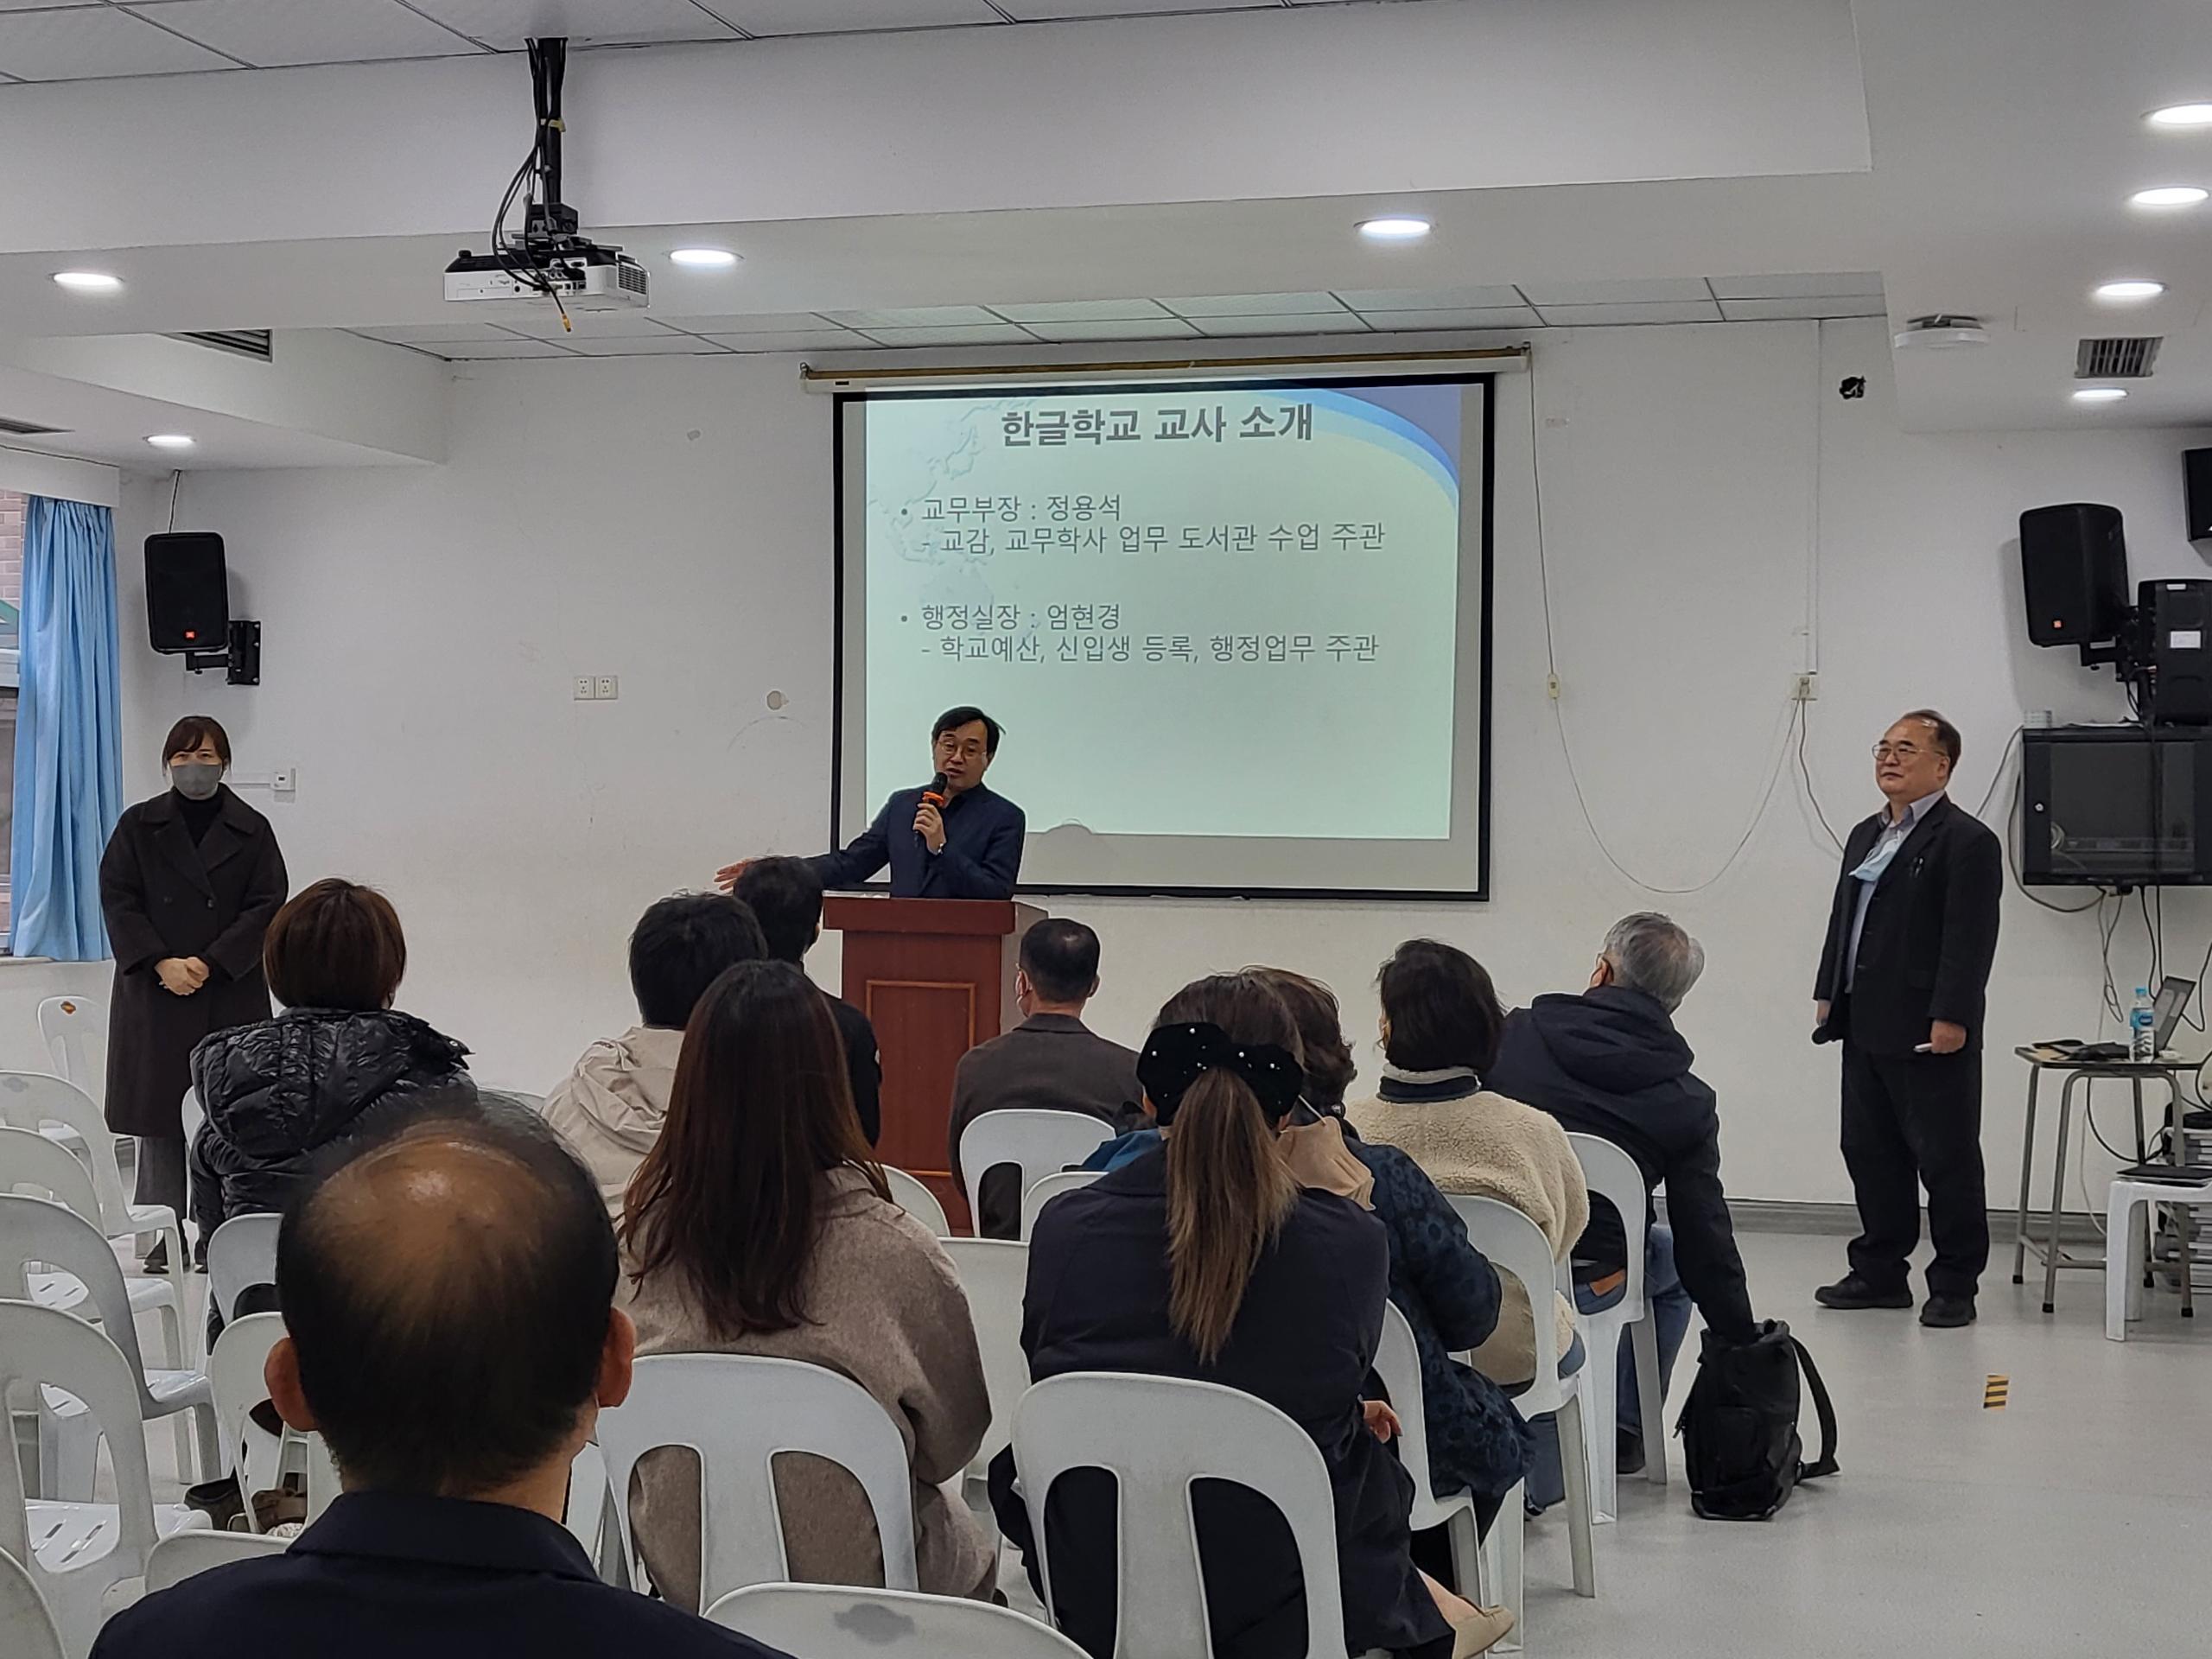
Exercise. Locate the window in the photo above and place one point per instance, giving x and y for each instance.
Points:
(11, 597)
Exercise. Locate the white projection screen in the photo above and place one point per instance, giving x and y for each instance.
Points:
(1237, 631)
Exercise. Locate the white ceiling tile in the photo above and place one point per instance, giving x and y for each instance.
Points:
(436, 334)
(471, 351)
(1560, 316)
(832, 16)
(588, 325)
(1082, 311)
(919, 316)
(797, 340)
(1032, 11)
(1003, 333)
(660, 345)
(1635, 290)
(1138, 328)
(89, 41)
(1784, 310)
(1496, 316)
(1338, 322)
(507, 23)
(1429, 298)
(760, 322)
(305, 31)
(1253, 305)
(1800, 285)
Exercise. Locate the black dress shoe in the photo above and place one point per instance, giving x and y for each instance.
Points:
(1628, 1452)
(157, 1259)
(1948, 1312)
(1852, 1292)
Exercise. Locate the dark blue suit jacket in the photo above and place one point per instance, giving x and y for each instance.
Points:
(386, 1573)
(981, 857)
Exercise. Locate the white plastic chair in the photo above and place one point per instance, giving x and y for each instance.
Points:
(26, 1627)
(1611, 1174)
(1157, 1435)
(2124, 1277)
(1046, 1188)
(74, 1029)
(1517, 1246)
(34, 1165)
(1039, 1143)
(77, 1553)
(241, 1254)
(738, 1412)
(1397, 1363)
(589, 1516)
(30, 1100)
(251, 1455)
(918, 1201)
(995, 1272)
(33, 1230)
(177, 1557)
(827, 1621)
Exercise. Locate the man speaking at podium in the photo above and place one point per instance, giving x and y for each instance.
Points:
(951, 839)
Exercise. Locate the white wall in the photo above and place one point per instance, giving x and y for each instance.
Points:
(669, 520)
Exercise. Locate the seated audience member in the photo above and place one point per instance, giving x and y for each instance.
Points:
(1441, 1025)
(759, 1224)
(338, 1059)
(447, 1288)
(1051, 1061)
(1610, 1063)
(1205, 1259)
(611, 1108)
(1445, 1287)
(786, 896)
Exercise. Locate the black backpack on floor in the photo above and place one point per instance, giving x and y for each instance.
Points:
(1740, 1447)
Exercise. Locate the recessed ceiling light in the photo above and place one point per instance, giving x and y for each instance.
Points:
(2099, 394)
(705, 258)
(2131, 288)
(170, 440)
(2181, 114)
(2169, 195)
(1395, 227)
(88, 282)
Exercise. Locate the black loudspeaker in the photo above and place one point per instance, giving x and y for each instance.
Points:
(188, 592)
(2196, 469)
(2074, 568)
(2180, 617)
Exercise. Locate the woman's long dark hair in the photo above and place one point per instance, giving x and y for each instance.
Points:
(730, 1196)
(1227, 1193)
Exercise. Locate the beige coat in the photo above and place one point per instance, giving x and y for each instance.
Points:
(886, 1309)
(611, 1108)
(1494, 1148)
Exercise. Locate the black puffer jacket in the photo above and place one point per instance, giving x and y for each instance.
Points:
(277, 1091)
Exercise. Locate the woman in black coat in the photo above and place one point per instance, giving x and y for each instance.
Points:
(1128, 1274)
(188, 884)
(335, 1062)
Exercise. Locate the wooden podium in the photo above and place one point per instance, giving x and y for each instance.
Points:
(935, 976)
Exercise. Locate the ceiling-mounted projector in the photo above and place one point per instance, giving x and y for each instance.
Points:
(1940, 330)
(550, 261)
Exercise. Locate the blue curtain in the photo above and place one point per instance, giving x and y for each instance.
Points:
(68, 731)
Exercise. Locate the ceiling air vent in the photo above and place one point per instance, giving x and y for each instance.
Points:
(246, 342)
(27, 429)
(2117, 358)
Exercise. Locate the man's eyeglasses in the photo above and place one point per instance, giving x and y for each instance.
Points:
(1898, 752)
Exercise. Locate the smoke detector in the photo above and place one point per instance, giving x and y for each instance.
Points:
(1940, 331)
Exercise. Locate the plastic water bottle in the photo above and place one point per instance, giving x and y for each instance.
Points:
(2142, 1038)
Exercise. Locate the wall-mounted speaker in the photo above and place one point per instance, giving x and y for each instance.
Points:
(188, 592)
(2196, 469)
(2073, 570)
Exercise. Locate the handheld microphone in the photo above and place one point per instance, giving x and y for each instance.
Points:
(934, 793)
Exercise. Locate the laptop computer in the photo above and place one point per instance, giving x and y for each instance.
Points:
(2167, 1009)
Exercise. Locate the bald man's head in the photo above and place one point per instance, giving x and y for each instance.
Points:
(447, 1289)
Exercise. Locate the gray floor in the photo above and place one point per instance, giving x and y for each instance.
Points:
(2074, 1520)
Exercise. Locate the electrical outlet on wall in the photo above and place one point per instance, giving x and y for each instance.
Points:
(608, 687)
(587, 688)
(285, 780)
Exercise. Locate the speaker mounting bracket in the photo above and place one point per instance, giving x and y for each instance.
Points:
(241, 662)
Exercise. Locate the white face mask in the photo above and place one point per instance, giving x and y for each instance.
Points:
(196, 780)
